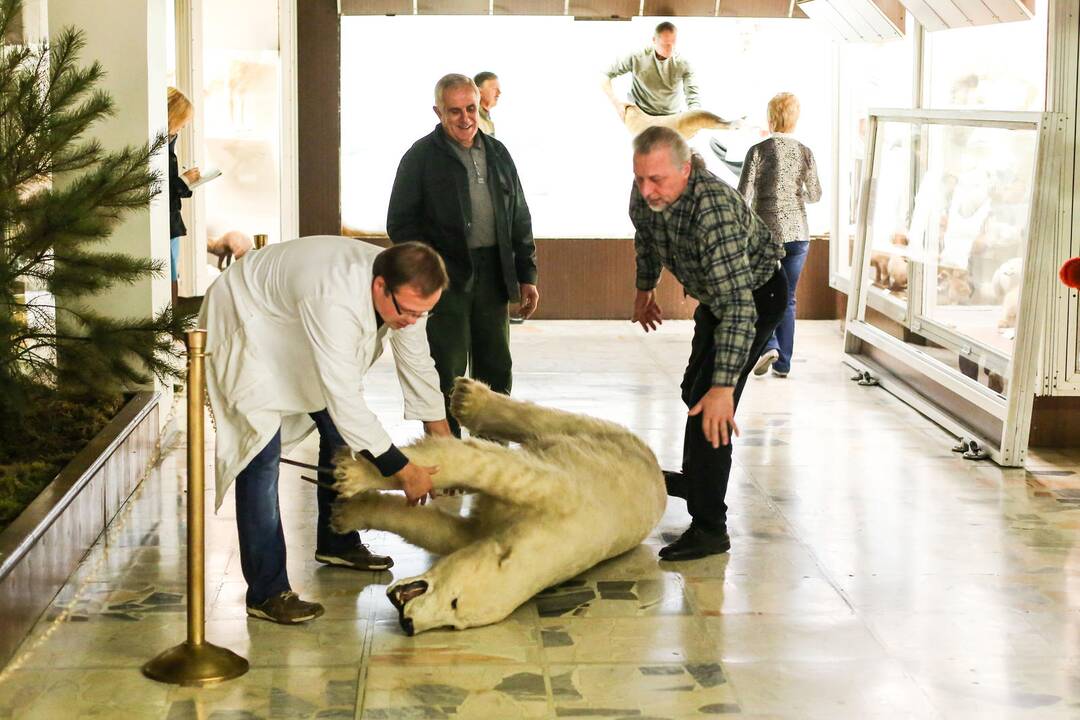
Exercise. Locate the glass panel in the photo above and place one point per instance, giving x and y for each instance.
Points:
(992, 67)
(241, 111)
(977, 192)
(870, 75)
(945, 263)
(888, 213)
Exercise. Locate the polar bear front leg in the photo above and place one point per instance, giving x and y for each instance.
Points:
(492, 415)
(513, 476)
(516, 477)
(425, 526)
(354, 475)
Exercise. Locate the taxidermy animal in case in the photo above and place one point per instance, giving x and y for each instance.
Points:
(233, 244)
(578, 491)
(891, 269)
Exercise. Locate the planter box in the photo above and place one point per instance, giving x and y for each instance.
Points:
(43, 546)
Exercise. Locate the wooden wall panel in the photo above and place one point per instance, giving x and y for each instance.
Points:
(894, 10)
(586, 279)
(604, 8)
(758, 8)
(529, 7)
(594, 280)
(680, 8)
(375, 7)
(452, 7)
(318, 116)
(814, 299)
(1053, 422)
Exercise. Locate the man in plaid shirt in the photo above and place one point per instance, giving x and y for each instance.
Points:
(698, 227)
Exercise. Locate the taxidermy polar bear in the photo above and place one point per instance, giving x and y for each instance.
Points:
(686, 123)
(578, 491)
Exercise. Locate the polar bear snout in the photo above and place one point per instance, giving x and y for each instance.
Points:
(400, 595)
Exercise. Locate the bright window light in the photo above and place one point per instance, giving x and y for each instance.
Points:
(571, 150)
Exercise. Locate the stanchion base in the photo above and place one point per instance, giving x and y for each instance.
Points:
(203, 664)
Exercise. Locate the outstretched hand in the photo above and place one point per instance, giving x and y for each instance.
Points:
(646, 312)
(416, 481)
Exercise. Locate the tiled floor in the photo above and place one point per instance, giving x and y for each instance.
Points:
(873, 575)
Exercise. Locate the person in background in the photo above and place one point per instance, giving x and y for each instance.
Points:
(180, 112)
(661, 77)
(457, 189)
(778, 178)
(488, 85)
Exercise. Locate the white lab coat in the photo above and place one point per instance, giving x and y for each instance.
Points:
(291, 330)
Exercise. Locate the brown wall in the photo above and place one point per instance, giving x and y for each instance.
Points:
(594, 280)
(1054, 422)
(583, 279)
(318, 79)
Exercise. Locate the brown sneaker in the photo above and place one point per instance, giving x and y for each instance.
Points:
(286, 608)
(358, 557)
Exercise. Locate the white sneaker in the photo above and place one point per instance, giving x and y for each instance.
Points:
(765, 362)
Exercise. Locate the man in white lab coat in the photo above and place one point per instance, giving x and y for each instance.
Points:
(291, 330)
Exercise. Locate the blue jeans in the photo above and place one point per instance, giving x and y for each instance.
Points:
(783, 340)
(174, 258)
(258, 514)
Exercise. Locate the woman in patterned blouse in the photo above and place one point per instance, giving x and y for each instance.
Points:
(779, 177)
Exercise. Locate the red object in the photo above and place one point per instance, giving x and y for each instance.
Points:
(1070, 273)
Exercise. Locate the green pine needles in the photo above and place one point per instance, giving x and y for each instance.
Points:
(61, 196)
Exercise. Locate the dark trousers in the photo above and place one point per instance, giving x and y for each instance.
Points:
(258, 514)
(706, 469)
(470, 329)
(783, 340)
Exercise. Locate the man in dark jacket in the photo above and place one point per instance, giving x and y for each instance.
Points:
(457, 190)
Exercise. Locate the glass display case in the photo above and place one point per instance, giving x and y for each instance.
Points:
(868, 75)
(942, 243)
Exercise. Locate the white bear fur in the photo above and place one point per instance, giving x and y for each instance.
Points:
(577, 491)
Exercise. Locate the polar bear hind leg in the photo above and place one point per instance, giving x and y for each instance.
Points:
(426, 526)
(492, 415)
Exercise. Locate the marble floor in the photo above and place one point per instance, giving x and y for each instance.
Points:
(874, 574)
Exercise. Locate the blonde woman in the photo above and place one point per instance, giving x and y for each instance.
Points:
(778, 178)
(180, 113)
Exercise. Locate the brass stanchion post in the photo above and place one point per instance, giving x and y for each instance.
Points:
(260, 241)
(195, 661)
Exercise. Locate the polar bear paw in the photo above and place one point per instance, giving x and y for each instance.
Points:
(355, 475)
(467, 400)
(354, 513)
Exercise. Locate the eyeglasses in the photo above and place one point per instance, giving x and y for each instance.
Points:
(408, 313)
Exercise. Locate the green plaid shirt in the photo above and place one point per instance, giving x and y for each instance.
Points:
(719, 250)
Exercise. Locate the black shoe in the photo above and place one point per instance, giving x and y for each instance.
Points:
(358, 557)
(696, 543)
